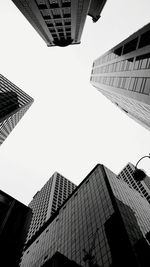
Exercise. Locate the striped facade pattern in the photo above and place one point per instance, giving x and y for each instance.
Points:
(13, 105)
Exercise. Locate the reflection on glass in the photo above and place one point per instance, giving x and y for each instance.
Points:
(8, 103)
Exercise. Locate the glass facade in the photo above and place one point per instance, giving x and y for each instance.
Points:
(130, 197)
(92, 226)
(47, 200)
(13, 104)
(123, 75)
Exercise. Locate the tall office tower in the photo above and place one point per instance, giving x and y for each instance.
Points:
(15, 219)
(13, 104)
(123, 75)
(143, 187)
(60, 22)
(47, 200)
(102, 223)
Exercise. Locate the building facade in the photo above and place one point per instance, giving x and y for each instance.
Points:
(102, 223)
(15, 219)
(46, 201)
(60, 22)
(13, 105)
(123, 75)
(143, 187)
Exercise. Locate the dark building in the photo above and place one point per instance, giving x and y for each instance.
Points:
(123, 75)
(46, 201)
(8, 103)
(103, 223)
(13, 105)
(60, 22)
(15, 219)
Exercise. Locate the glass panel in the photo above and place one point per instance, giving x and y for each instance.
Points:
(148, 63)
(147, 86)
(145, 39)
(138, 85)
(126, 83)
(136, 64)
(130, 61)
(131, 84)
(130, 46)
(144, 63)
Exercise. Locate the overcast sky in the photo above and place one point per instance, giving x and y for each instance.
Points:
(70, 127)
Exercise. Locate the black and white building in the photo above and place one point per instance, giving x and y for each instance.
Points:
(103, 222)
(60, 22)
(123, 75)
(13, 105)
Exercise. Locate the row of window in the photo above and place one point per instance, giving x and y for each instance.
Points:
(140, 85)
(126, 48)
(58, 23)
(56, 13)
(124, 65)
(53, 4)
(141, 62)
(66, 29)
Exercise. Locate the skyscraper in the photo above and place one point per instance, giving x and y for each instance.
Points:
(47, 200)
(123, 75)
(58, 22)
(13, 105)
(102, 223)
(15, 219)
(143, 187)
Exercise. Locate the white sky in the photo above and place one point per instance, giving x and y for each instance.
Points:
(70, 127)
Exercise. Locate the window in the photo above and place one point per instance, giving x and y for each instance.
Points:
(54, 4)
(145, 39)
(56, 13)
(118, 66)
(129, 64)
(130, 46)
(66, 13)
(52, 30)
(118, 51)
(42, 6)
(60, 29)
(66, 3)
(50, 24)
(138, 85)
(131, 84)
(147, 87)
(46, 17)
(58, 23)
(142, 62)
(68, 23)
